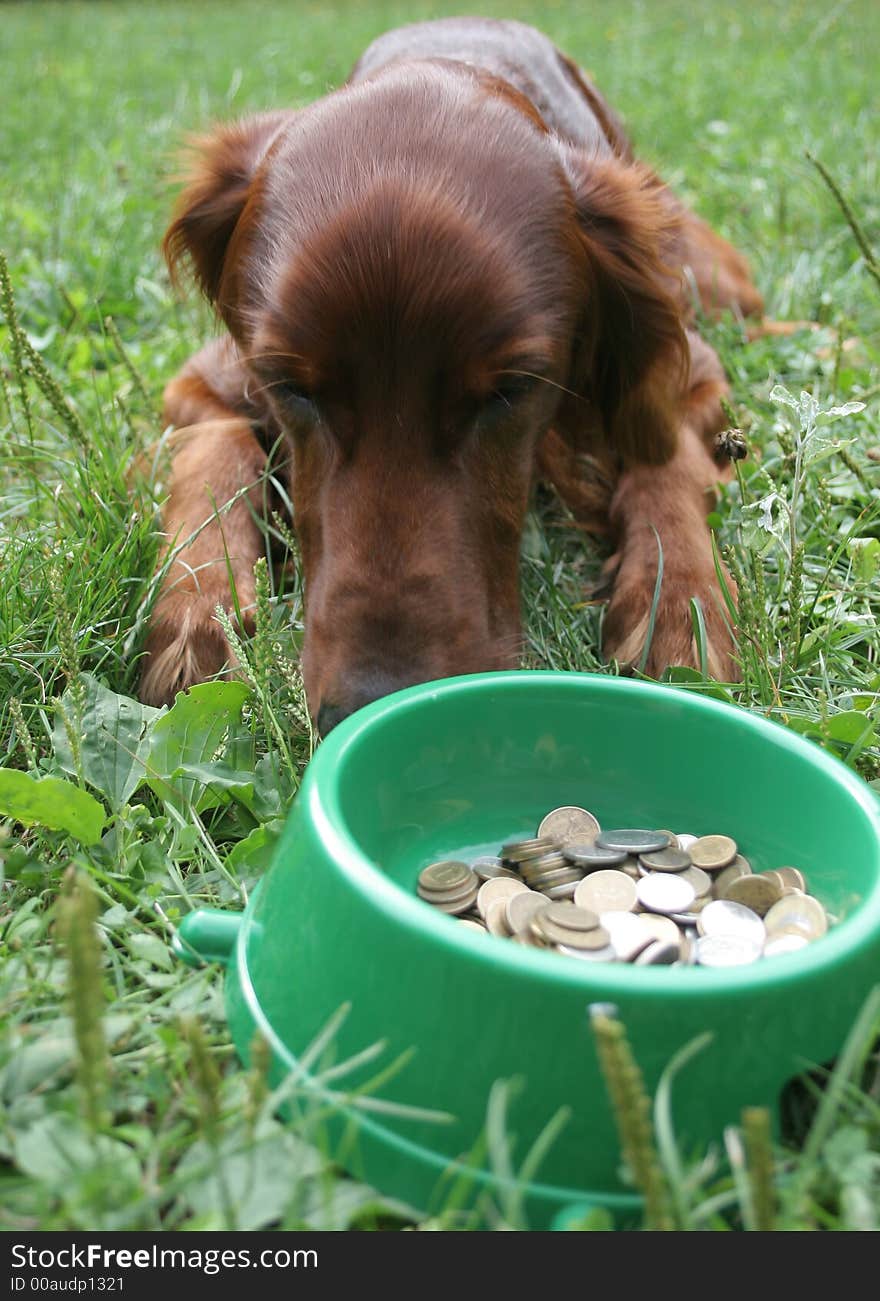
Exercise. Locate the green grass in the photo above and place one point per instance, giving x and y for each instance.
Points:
(122, 1103)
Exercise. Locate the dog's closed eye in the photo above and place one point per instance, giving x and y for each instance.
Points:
(507, 393)
(294, 398)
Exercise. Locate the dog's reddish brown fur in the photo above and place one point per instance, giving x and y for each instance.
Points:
(440, 281)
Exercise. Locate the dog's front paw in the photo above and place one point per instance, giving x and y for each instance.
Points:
(627, 626)
(185, 645)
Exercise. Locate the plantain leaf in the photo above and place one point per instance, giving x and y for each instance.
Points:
(195, 733)
(51, 802)
(115, 741)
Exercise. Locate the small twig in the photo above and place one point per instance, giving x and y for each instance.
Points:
(871, 262)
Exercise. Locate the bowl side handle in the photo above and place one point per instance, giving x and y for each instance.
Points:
(206, 935)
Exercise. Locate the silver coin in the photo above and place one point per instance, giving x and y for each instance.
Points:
(606, 954)
(799, 912)
(564, 891)
(592, 857)
(665, 860)
(685, 839)
(664, 892)
(727, 950)
(633, 840)
(688, 944)
(784, 942)
(722, 917)
(629, 934)
(487, 867)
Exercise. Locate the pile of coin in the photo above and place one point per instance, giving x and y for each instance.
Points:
(653, 898)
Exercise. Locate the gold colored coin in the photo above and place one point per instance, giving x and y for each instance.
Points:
(721, 880)
(757, 892)
(606, 891)
(522, 851)
(569, 914)
(700, 880)
(791, 876)
(496, 918)
(597, 938)
(456, 906)
(498, 888)
(569, 825)
(445, 875)
(521, 908)
(711, 853)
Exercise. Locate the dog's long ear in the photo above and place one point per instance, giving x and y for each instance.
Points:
(219, 181)
(630, 355)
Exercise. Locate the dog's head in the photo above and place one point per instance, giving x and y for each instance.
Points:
(421, 279)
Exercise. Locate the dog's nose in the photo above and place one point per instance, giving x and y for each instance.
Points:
(353, 695)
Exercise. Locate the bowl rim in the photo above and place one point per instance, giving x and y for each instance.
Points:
(321, 795)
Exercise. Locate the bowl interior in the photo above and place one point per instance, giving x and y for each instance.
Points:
(456, 768)
(454, 772)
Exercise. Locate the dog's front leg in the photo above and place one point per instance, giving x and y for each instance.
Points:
(212, 537)
(663, 508)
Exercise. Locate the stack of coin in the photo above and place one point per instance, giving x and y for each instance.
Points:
(629, 895)
(450, 886)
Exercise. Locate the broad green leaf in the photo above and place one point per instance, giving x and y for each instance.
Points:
(806, 726)
(219, 777)
(151, 949)
(256, 1176)
(115, 741)
(256, 851)
(274, 787)
(51, 802)
(59, 1150)
(35, 1060)
(849, 726)
(196, 731)
(684, 675)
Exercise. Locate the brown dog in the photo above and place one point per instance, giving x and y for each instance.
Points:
(440, 282)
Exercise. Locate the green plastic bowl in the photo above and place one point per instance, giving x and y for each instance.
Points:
(451, 769)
